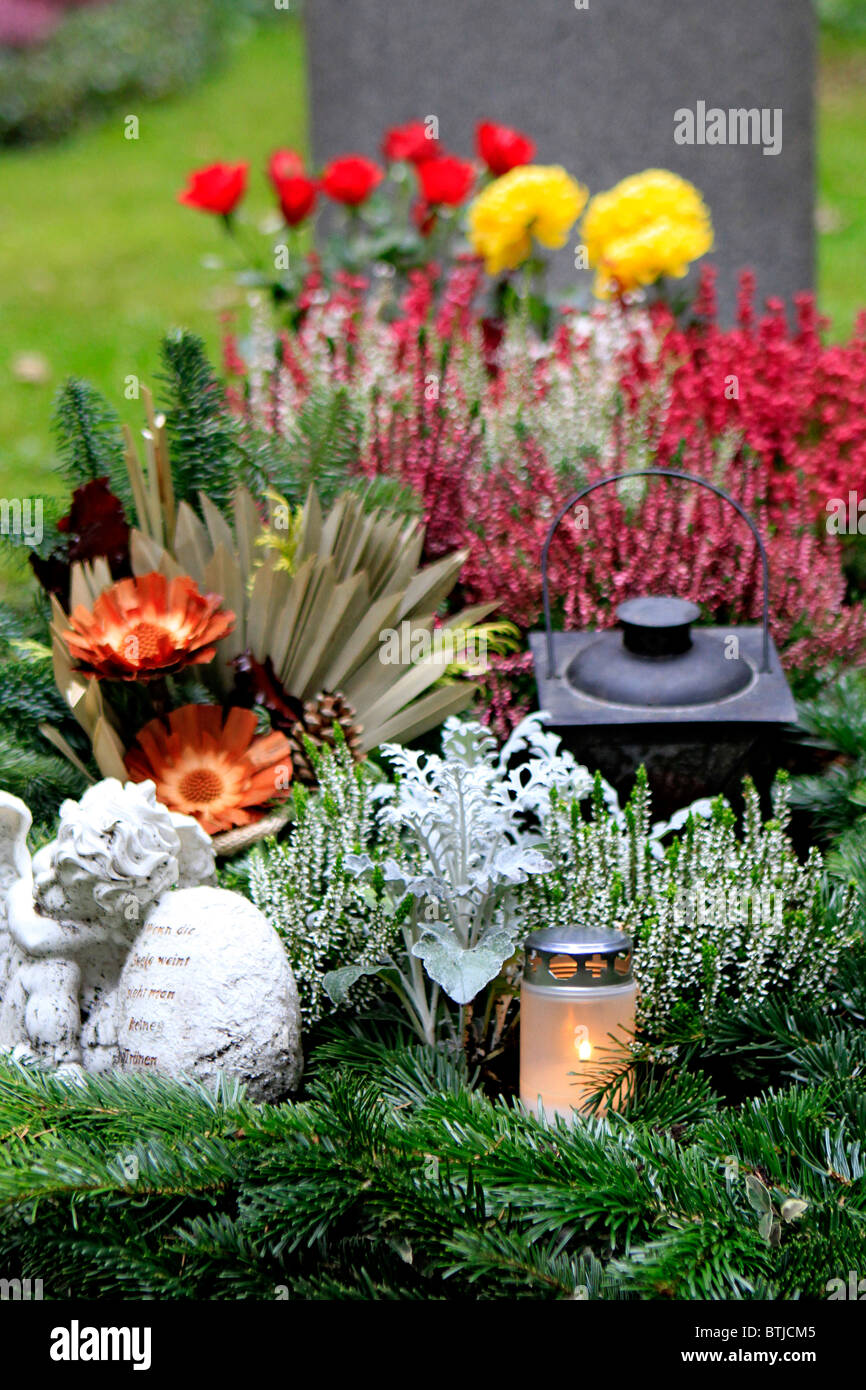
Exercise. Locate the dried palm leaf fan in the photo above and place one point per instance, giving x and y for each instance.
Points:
(316, 623)
(314, 620)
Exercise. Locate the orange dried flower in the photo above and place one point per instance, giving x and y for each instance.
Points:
(211, 765)
(147, 627)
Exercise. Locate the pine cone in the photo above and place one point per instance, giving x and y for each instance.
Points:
(321, 715)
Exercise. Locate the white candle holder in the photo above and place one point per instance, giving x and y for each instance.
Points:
(578, 990)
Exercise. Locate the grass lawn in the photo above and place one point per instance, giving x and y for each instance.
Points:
(842, 183)
(97, 259)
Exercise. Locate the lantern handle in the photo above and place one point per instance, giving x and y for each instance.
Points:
(656, 473)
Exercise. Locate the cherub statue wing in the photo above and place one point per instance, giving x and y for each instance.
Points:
(15, 821)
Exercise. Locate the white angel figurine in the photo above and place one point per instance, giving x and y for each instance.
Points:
(72, 915)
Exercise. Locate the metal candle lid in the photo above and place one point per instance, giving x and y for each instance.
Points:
(557, 956)
(656, 660)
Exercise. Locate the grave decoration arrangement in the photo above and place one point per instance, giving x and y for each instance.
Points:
(282, 640)
(453, 379)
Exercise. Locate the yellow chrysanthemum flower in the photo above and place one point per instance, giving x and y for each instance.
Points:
(650, 224)
(534, 200)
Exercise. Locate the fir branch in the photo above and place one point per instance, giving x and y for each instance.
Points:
(508, 1266)
(202, 431)
(664, 1098)
(88, 434)
(321, 446)
(42, 779)
(400, 1181)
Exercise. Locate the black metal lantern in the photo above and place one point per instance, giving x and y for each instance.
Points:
(698, 707)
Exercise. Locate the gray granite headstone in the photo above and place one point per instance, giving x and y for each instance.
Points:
(599, 88)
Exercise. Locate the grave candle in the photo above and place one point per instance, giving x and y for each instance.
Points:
(578, 990)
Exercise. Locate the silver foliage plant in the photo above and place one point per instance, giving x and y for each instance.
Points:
(465, 822)
(715, 915)
(436, 860)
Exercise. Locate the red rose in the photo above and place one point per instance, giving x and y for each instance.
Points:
(285, 164)
(297, 198)
(295, 189)
(446, 180)
(351, 179)
(218, 188)
(411, 142)
(502, 148)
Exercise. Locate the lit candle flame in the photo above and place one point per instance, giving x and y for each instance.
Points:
(584, 1051)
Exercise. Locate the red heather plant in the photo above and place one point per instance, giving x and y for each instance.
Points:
(654, 537)
(797, 403)
(660, 537)
(494, 429)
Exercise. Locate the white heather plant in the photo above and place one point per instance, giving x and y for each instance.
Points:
(574, 413)
(715, 915)
(429, 884)
(325, 914)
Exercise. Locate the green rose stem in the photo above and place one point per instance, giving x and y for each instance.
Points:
(249, 251)
(287, 285)
(402, 180)
(354, 232)
(438, 243)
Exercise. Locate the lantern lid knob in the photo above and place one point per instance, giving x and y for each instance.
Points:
(657, 625)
